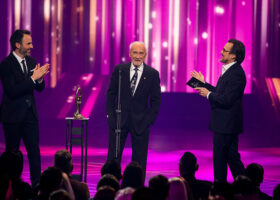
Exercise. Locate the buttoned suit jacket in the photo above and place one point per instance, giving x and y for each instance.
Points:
(226, 101)
(143, 106)
(18, 90)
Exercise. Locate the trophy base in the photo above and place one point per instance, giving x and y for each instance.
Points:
(78, 116)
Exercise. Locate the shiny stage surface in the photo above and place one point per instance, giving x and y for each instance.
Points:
(165, 163)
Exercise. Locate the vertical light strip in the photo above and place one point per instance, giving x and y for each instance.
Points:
(105, 51)
(146, 25)
(17, 13)
(9, 25)
(117, 31)
(59, 37)
(92, 30)
(264, 27)
(46, 29)
(176, 32)
(26, 14)
(53, 44)
(170, 44)
(156, 35)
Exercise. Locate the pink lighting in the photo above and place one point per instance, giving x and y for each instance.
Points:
(219, 10)
(204, 35)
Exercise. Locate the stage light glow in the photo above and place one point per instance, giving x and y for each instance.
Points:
(154, 14)
(163, 88)
(243, 3)
(195, 41)
(165, 44)
(219, 10)
(150, 25)
(204, 35)
(189, 21)
(123, 59)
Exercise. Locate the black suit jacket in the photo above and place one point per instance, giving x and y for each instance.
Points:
(226, 101)
(143, 107)
(18, 90)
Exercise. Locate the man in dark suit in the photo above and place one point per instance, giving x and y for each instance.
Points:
(20, 76)
(140, 102)
(226, 109)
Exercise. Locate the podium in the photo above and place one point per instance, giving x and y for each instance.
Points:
(77, 134)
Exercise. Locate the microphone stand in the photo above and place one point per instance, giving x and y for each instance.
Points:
(118, 118)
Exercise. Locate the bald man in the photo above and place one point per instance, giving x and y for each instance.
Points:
(140, 102)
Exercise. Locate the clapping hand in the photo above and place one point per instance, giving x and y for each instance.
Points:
(40, 72)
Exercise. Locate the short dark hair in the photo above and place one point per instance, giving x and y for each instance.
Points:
(50, 180)
(11, 163)
(133, 176)
(188, 164)
(112, 167)
(255, 172)
(110, 180)
(238, 49)
(63, 161)
(17, 37)
(160, 185)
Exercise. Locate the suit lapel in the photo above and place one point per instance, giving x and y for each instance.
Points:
(16, 66)
(142, 81)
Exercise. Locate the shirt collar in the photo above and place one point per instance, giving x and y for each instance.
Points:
(140, 68)
(17, 57)
(227, 66)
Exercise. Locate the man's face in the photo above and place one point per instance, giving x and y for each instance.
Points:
(137, 54)
(226, 56)
(24, 48)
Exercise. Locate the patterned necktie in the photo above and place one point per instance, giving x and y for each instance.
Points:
(24, 68)
(133, 81)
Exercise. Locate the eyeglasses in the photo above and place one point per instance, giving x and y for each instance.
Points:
(225, 50)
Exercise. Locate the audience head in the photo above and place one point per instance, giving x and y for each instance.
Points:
(243, 185)
(255, 172)
(105, 193)
(51, 180)
(112, 167)
(276, 192)
(59, 195)
(160, 185)
(109, 180)
(63, 161)
(125, 194)
(133, 176)
(221, 190)
(177, 189)
(188, 164)
(144, 193)
(11, 164)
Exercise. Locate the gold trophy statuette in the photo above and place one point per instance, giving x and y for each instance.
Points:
(78, 101)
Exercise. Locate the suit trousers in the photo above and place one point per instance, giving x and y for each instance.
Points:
(28, 130)
(225, 152)
(139, 144)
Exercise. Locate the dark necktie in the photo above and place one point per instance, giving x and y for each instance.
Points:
(133, 81)
(24, 68)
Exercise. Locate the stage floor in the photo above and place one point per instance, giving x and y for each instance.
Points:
(165, 163)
